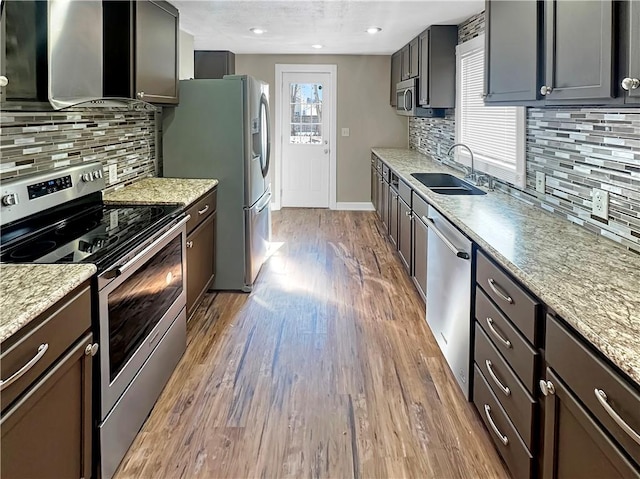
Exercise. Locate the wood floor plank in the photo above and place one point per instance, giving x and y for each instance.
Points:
(326, 370)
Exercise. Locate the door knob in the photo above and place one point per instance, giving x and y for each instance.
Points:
(545, 90)
(547, 388)
(630, 84)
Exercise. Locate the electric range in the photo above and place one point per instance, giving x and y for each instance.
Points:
(138, 294)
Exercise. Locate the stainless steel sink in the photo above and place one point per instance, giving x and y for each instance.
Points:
(446, 184)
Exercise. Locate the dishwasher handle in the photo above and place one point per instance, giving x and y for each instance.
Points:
(458, 252)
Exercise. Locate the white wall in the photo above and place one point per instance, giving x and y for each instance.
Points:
(186, 55)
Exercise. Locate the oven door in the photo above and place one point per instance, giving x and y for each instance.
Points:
(137, 308)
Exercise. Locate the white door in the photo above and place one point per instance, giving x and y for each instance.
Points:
(306, 127)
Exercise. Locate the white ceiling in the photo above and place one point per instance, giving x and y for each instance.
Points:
(294, 25)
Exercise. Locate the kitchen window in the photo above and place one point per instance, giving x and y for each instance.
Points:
(495, 134)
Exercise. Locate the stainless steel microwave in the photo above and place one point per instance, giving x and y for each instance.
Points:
(407, 101)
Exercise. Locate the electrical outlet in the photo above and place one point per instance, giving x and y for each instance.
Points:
(345, 132)
(113, 173)
(541, 182)
(600, 203)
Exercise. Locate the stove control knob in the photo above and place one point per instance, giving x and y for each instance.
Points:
(97, 174)
(10, 199)
(86, 177)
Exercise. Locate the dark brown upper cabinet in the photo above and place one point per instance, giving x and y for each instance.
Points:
(513, 51)
(213, 64)
(141, 50)
(396, 76)
(437, 86)
(579, 49)
(410, 55)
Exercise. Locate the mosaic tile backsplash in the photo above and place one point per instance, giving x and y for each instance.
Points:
(38, 141)
(578, 149)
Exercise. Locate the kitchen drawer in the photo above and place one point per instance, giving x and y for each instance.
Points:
(506, 386)
(385, 172)
(585, 373)
(378, 164)
(66, 322)
(508, 340)
(405, 192)
(420, 206)
(201, 209)
(519, 306)
(515, 453)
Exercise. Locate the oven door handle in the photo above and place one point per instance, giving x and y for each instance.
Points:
(119, 270)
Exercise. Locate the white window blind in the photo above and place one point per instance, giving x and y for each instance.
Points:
(495, 134)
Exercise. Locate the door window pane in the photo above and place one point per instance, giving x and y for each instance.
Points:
(306, 113)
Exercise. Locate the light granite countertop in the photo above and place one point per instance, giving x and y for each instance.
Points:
(27, 290)
(591, 282)
(161, 191)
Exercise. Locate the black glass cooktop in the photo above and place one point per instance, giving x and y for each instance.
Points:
(98, 234)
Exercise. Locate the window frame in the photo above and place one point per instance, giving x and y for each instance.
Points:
(482, 161)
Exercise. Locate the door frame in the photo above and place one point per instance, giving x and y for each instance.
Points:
(332, 69)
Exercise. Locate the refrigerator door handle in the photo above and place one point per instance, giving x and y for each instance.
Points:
(267, 200)
(266, 155)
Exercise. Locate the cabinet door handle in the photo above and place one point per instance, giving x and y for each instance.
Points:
(499, 291)
(505, 389)
(627, 84)
(602, 399)
(140, 95)
(91, 349)
(4, 81)
(545, 90)
(503, 439)
(20, 372)
(189, 244)
(496, 333)
(203, 210)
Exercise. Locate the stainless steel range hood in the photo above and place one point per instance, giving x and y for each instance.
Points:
(52, 55)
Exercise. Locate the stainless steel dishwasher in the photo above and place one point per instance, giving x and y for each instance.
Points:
(449, 293)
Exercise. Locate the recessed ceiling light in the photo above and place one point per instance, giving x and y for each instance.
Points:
(257, 30)
(317, 46)
(373, 30)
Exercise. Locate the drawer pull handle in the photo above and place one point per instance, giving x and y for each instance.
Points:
(602, 399)
(498, 290)
(505, 389)
(503, 439)
(203, 210)
(189, 244)
(497, 334)
(20, 372)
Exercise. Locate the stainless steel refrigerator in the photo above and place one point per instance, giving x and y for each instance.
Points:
(221, 129)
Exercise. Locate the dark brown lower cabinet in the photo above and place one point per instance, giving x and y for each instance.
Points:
(404, 234)
(393, 216)
(201, 248)
(47, 432)
(201, 266)
(419, 275)
(575, 446)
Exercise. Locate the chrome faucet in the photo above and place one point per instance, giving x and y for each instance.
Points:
(472, 174)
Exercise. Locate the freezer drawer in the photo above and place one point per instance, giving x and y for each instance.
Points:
(258, 236)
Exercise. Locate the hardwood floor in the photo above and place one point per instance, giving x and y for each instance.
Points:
(327, 369)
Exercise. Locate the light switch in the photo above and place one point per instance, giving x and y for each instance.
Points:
(345, 132)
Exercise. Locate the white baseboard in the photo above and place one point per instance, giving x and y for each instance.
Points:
(275, 206)
(355, 206)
